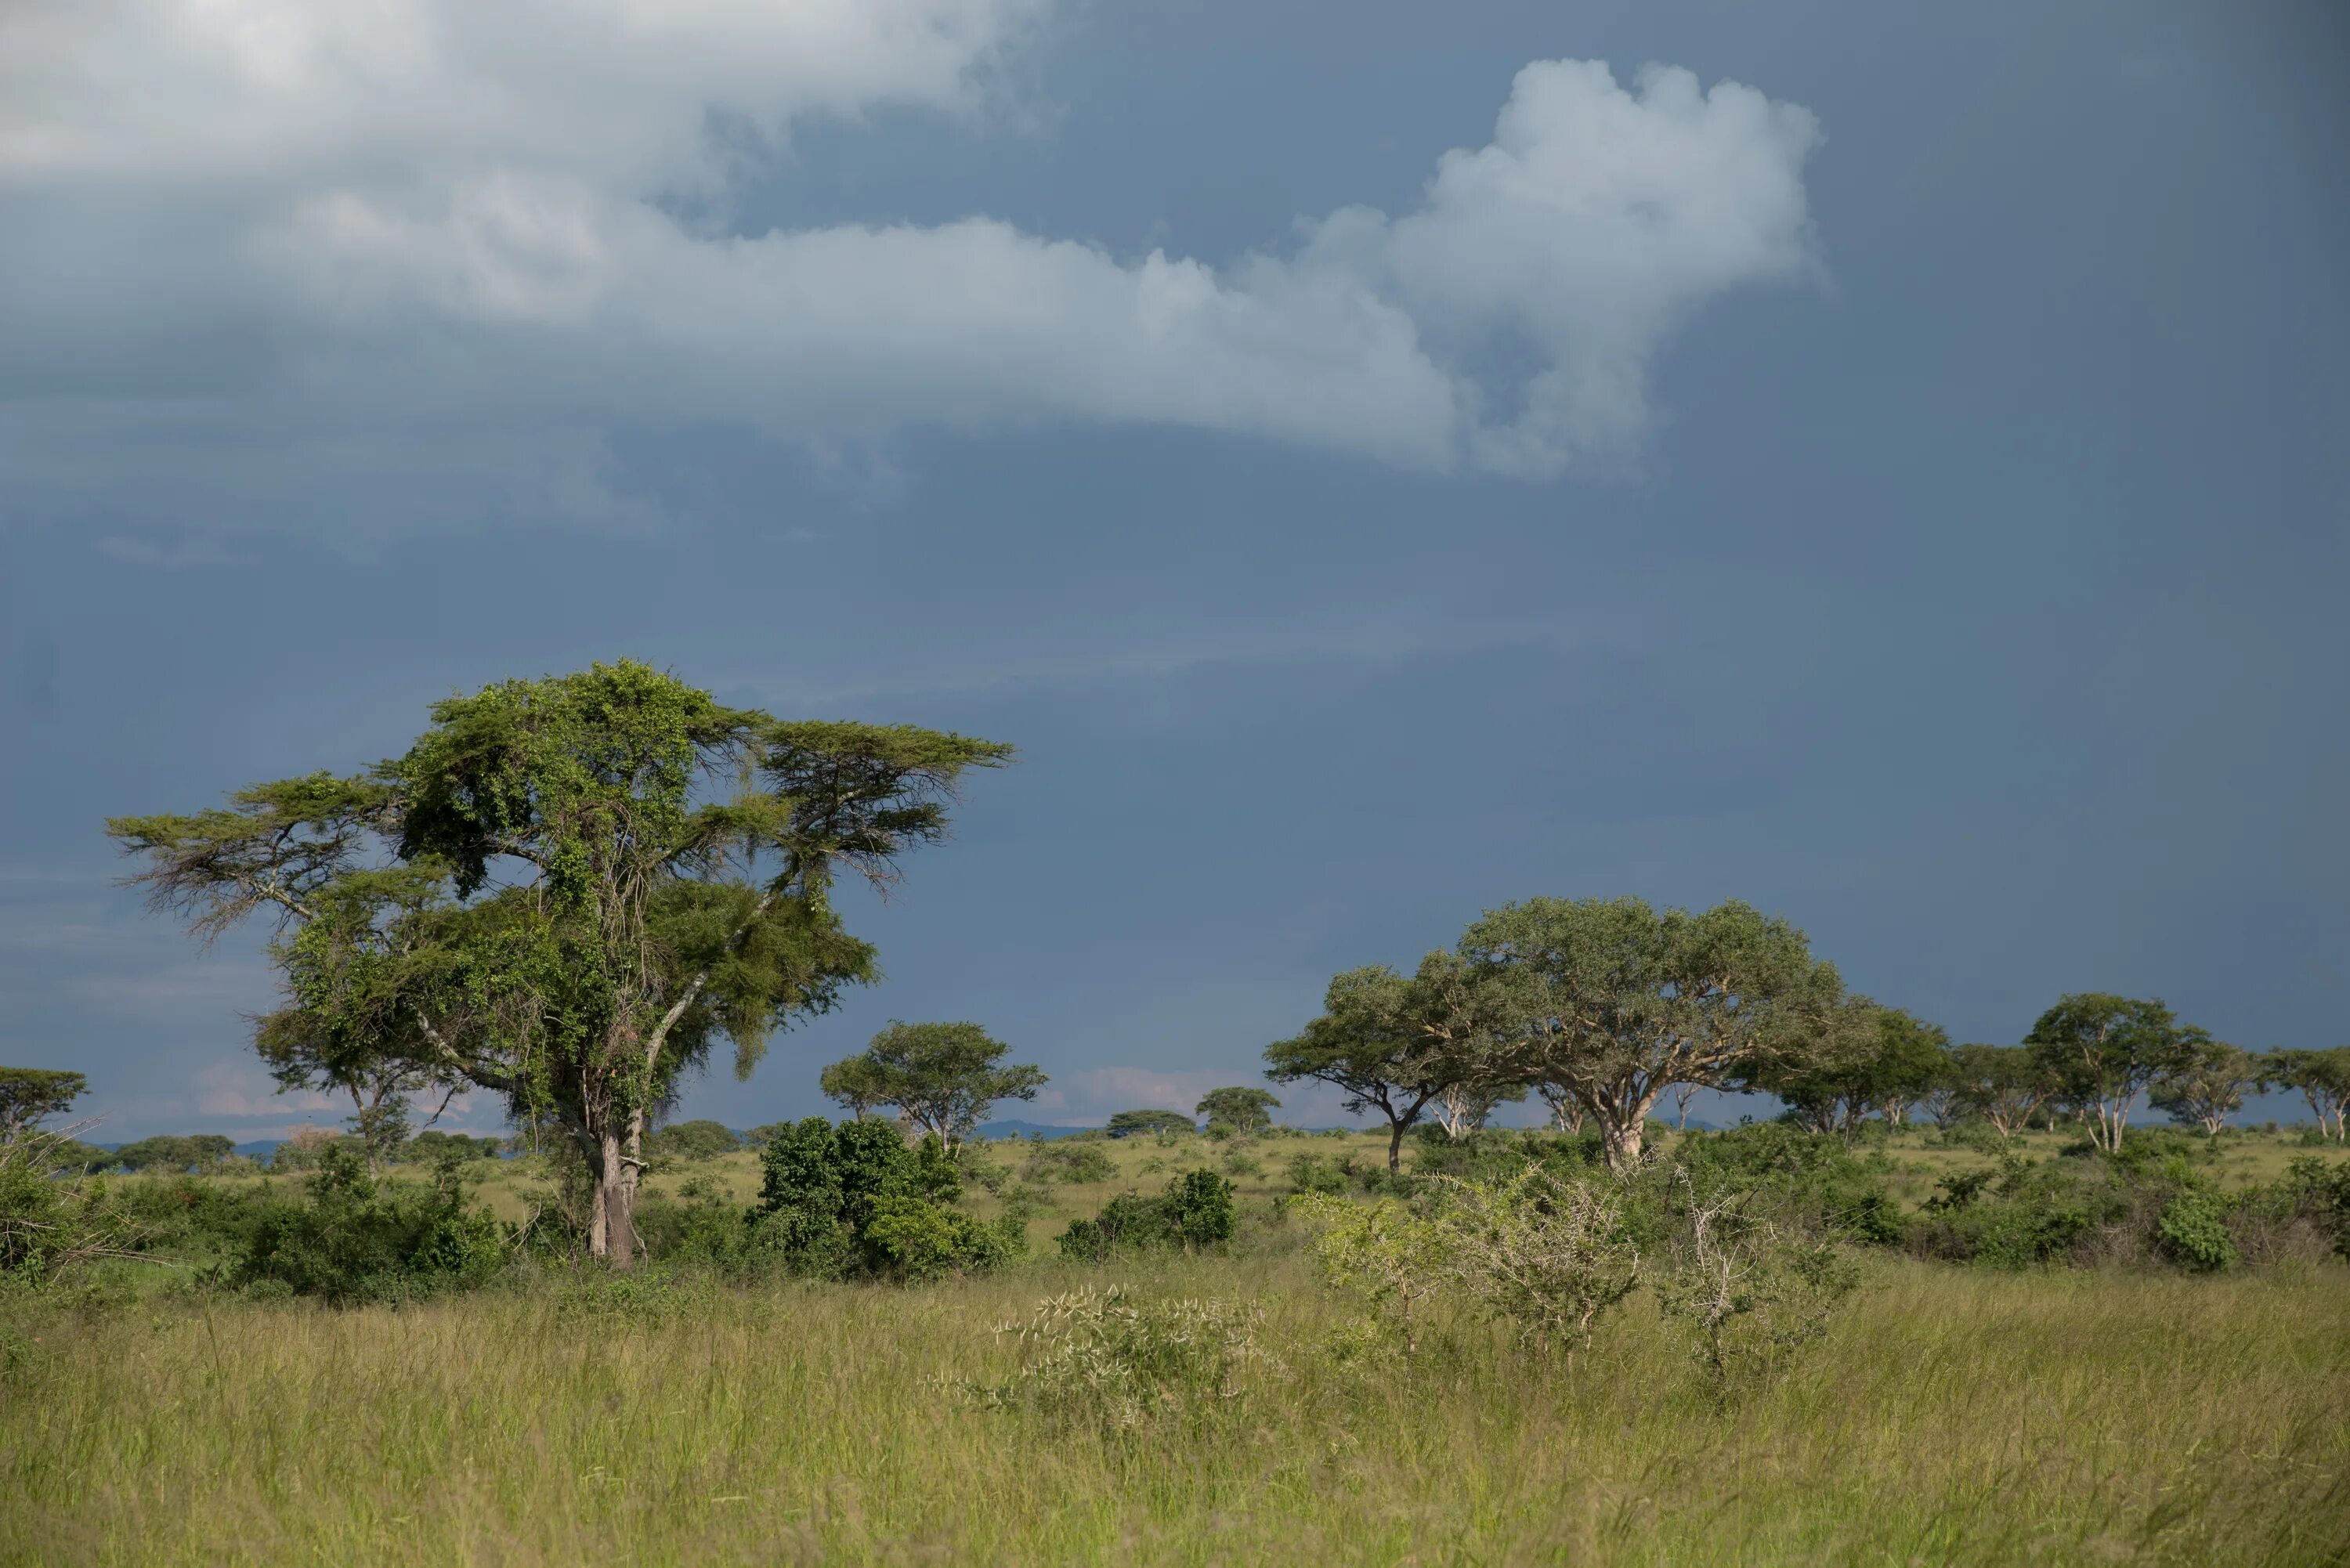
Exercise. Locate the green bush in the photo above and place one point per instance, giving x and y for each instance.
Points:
(1196, 1210)
(852, 1199)
(1318, 1173)
(1812, 1183)
(2193, 1231)
(355, 1238)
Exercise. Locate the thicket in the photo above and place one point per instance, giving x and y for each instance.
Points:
(853, 1199)
(352, 1238)
(1196, 1210)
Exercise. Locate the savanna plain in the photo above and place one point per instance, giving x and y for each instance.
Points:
(1237, 1402)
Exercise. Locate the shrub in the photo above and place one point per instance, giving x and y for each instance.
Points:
(2193, 1231)
(1746, 1294)
(1547, 1254)
(355, 1238)
(1108, 1358)
(1812, 1183)
(853, 1199)
(50, 1216)
(1196, 1210)
(1318, 1173)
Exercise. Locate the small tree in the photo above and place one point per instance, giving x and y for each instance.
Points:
(2324, 1079)
(2208, 1082)
(1617, 1003)
(1368, 1043)
(1385, 1251)
(942, 1077)
(2004, 1085)
(30, 1096)
(1548, 1254)
(2103, 1051)
(1240, 1109)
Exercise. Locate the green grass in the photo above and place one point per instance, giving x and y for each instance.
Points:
(1951, 1416)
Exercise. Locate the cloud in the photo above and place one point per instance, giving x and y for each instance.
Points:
(425, 258)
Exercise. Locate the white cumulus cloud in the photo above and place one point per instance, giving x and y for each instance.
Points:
(266, 257)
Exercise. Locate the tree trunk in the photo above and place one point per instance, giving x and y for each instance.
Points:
(1622, 1140)
(616, 1192)
(1395, 1144)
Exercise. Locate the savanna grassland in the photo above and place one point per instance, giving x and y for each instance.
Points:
(1949, 1415)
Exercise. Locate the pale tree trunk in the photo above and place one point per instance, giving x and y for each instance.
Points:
(1623, 1120)
(616, 1188)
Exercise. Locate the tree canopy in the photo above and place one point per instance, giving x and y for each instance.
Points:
(1243, 1110)
(2100, 1052)
(1372, 1044)
(1617, 1002)
(566, 892)
(30, 1096)
(941, 1078)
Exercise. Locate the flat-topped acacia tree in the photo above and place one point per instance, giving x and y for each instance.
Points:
(566, 891)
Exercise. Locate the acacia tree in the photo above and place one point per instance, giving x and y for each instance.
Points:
(1243, 1110)
(2208, 1084)
(856, 1084)
(566, 891)
(30, 1096)
(1868, 1057)
(2004, 1085)
(2102, 1052)
(1617, 1003)
(2324, 1079)
(941, 1078)
(1374, 1041)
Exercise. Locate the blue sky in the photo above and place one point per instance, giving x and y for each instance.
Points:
(1374, 469)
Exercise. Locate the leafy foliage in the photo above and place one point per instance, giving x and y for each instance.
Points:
(1241, 1111)
(942, 1077)
(1196, 1210)
(1618, 1001)
(549, 896)
(355, 1239)
(852, 1199)
(30, 1096)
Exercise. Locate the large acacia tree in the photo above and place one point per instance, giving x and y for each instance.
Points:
(1617, 1002)
(566, 892)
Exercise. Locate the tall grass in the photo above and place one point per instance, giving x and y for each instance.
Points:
(1950, 1418)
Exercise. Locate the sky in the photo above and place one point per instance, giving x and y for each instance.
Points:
(1883, 464)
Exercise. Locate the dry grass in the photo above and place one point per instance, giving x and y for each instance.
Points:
(1952, 1418)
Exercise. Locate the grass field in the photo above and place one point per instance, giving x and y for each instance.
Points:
(1951, 1416)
